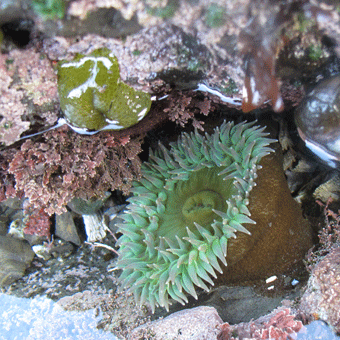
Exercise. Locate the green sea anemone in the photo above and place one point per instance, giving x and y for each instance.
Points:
(189, 203)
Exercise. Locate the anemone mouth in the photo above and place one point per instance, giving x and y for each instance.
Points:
(190, 200)
(199, 206)
(193, 201)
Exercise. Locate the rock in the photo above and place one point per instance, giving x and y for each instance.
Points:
(66, 229)
(316, 330)
(12, 10)
(199, 323)
(241, 304)
(318, 120)
(15, 256)
(87, 207)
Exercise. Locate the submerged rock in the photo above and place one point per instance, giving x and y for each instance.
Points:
(15, 256)
(66, 229)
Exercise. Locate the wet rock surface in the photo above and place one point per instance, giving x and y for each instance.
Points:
(82, 281)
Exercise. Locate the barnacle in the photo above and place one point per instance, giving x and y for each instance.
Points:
(92, 95)
(191, 203)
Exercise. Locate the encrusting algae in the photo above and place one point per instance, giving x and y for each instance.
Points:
(211, 204)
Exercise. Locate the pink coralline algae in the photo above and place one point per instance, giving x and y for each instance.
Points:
(279, 325)
(38, 224)
(12, 110)
(7, 183)
(66, 165)
(329, 236)
(322, 297)
(27, 80)
(183, 107)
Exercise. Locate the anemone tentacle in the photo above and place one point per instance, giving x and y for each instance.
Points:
(190, 201)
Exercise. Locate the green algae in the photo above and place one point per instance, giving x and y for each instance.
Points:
(165, 12)
(215, 16)
(92, 95)
(49, 9)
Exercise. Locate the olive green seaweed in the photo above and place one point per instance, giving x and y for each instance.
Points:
(189, 202)
(92, 95)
